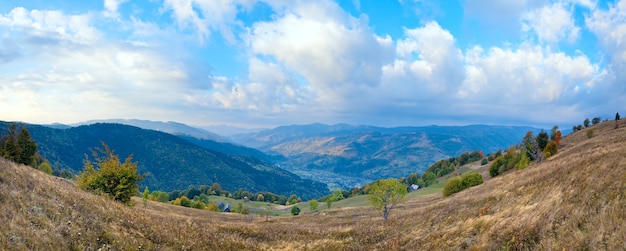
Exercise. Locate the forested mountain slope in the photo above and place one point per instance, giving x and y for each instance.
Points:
(171, 162)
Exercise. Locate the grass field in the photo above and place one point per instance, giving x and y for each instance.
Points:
(576, 200)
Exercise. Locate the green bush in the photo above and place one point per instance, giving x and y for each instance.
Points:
(295, 210)
(454, 185)
(472, 179)
(484, 162)
(109, 177)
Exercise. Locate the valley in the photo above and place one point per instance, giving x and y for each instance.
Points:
(574, 201)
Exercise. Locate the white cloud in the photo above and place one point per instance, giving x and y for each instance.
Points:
(208, 16)
(551, 23)
(111, 6)
(332, 53)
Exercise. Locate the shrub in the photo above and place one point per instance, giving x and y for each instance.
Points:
(551, 149)
(494, 168)
(454, 185)
(109, 177)
(295, 210)
(212, 207)
(523, 162)
(45, 167)
(590, 133)
(472, 179)
(313, 204)
(198, 204)
(484, 161)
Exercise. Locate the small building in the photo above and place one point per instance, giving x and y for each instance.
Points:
(413, 187)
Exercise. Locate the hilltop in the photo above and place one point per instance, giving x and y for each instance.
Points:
(573, 201)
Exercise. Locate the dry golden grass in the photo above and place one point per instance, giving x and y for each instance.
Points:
(576, 200)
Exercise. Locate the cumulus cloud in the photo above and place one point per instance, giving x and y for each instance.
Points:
(208, 16)
(551, 23)
(330, 53)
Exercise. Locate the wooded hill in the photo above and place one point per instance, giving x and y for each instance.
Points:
(574, 200)
(172, 162)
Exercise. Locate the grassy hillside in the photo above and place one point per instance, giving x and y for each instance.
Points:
(576, 200)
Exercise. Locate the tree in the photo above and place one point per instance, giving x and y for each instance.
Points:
(260, 197)
(542, 139)
(18, 147)
(293, 199)
(313, 204)
(553, 132)
(337, 195)
(386, 194)
(146, 196)
(295, 210)
(108, 176)
(429, 178)
(484, 162)
(586, 122)
(557, 139)
(617, 116)
(596, 120)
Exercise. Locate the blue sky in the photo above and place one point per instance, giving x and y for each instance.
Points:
(256, 63)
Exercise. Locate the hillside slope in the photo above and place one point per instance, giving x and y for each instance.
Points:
(576, 200)
(346, 155)
(172, 162)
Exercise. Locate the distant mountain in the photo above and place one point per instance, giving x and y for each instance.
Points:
(172, 162)
(226, 130)
(346, 155)
(167, 127)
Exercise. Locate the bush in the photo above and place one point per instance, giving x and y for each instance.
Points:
(313, 204)
(472, 179)
(551, 149)
(454, 185)
(109, 177)
(484, 162)
(590, 133)
(295, 210)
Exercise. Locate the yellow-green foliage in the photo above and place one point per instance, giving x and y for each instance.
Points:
(524, 161)
(111, 178)
(45, 167)
(457, 184)
(454, 185)
(550, 150)
(386, 194)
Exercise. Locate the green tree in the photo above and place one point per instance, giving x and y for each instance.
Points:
(617, 116)
(454, 185)
(523, 162)
(18, 146)
(337, 195)
(429, 178)
(146, 196)
(553, 132)
(586, 122)
(260, 197)
(108, 176)
(386, 194)
(542, 139)
(295, 210)
(596, 120)
(484, 162)
(313, 204)
(293, 199)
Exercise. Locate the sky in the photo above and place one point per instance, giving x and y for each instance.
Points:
(265, 63)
